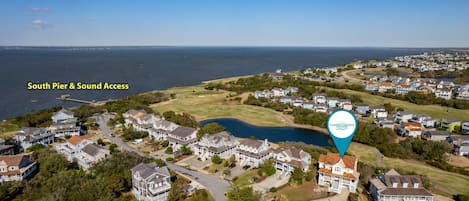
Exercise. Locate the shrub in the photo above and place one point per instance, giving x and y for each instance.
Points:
(216, 159)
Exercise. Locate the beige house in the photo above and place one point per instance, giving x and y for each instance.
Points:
(338, 173)
(16, 167)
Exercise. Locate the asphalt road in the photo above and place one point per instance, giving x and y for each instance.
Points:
(216, 186)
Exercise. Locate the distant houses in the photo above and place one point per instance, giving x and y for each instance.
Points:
(393, 186)
(150, 183)
(157, 127)
(337, 173)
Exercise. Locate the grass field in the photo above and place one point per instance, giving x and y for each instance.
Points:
(434, 111)
(246, 178)
(452, 181)
(206, 104)
(303, 192)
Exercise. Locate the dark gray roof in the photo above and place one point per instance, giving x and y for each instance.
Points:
(91, 149)
(183, 131)
(146, 170)
(436, 132)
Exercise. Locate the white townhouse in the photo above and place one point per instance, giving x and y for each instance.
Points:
(150, 183)
(82, 150)
(161, 129)
(182, 136)
(319, 98)
(384, 123)
(378, 112)
(287, 159)
(338, 173)
(29, 136)
(320, 108)
(424, 119)
(64, 124)
(253, 152)
(16, 167)
(402, 116)
(278, 92)
(392, 186)
(222, 144)
(157, 127)
(444, 93)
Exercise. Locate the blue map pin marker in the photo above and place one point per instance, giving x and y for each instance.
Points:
(342, 125)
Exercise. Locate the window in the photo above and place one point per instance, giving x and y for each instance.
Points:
(337, 169)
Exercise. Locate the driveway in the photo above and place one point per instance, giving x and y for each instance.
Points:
(217, 187)
(273, 181)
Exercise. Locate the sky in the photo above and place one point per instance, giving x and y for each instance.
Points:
(360, 23)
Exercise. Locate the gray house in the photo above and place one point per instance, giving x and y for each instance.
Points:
(150, 183)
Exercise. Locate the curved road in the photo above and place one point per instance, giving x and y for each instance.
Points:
(216, 186)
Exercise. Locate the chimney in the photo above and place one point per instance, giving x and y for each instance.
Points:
(266, 142)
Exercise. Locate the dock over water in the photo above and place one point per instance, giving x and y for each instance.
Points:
(67, 97)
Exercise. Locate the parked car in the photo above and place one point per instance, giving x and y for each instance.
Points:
(232, 165)
(246, 167)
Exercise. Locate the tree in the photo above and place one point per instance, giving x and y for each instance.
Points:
(165, 143)
(297, 176)
(243, 194)
(210, 128)
(267, 168)
(159, 162)
(113, 148)
(169, 150)
(186, 150)
(216, 159)
(100, 142)
(227, 172)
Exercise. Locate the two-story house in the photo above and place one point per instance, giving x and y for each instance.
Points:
(460, 144)
(253, 152)
(424, 119)
(6, 149)
(444, 93)
(378, 112)
(411, 129)
(319, 98)
(465, 128)
(362, 108)
(30, 136)
(287, 159)
(182, 136)
(402, 116)
(150, 183)
(222, 144)
(435, 135)
(393, 186)
(338, 173)
(16, 167)
(450, 124)
(64, 124)
(82, 150)
(332, 102)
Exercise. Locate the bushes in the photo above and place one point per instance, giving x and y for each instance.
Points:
(169, 150)
(165, 143)
(131, 134)
(216, 159)
(186, 150)
(183, 119)
(297, 176)
(210, 128)
(267, 168)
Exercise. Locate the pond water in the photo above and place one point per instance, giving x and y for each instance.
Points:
(273, 134)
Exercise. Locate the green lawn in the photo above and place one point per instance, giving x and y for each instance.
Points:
(302, 192)
(246, 178)
(206, 104)
(435, 111)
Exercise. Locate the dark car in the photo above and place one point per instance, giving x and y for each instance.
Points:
(246, 167)
(232, 165)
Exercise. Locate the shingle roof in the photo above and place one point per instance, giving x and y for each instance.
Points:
(91, 149)
(251, 143)
(334, 158)
(183, 131)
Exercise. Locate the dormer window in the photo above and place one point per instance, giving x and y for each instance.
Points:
(337, 169)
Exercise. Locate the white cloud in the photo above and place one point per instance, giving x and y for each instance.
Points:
(38, 9)
(40, 24)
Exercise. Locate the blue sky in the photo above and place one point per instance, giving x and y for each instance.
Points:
(386, 23)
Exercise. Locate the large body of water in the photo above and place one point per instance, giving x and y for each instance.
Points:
(273, 134)
(150, 68)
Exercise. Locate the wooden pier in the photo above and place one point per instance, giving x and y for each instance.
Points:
(66, 97)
